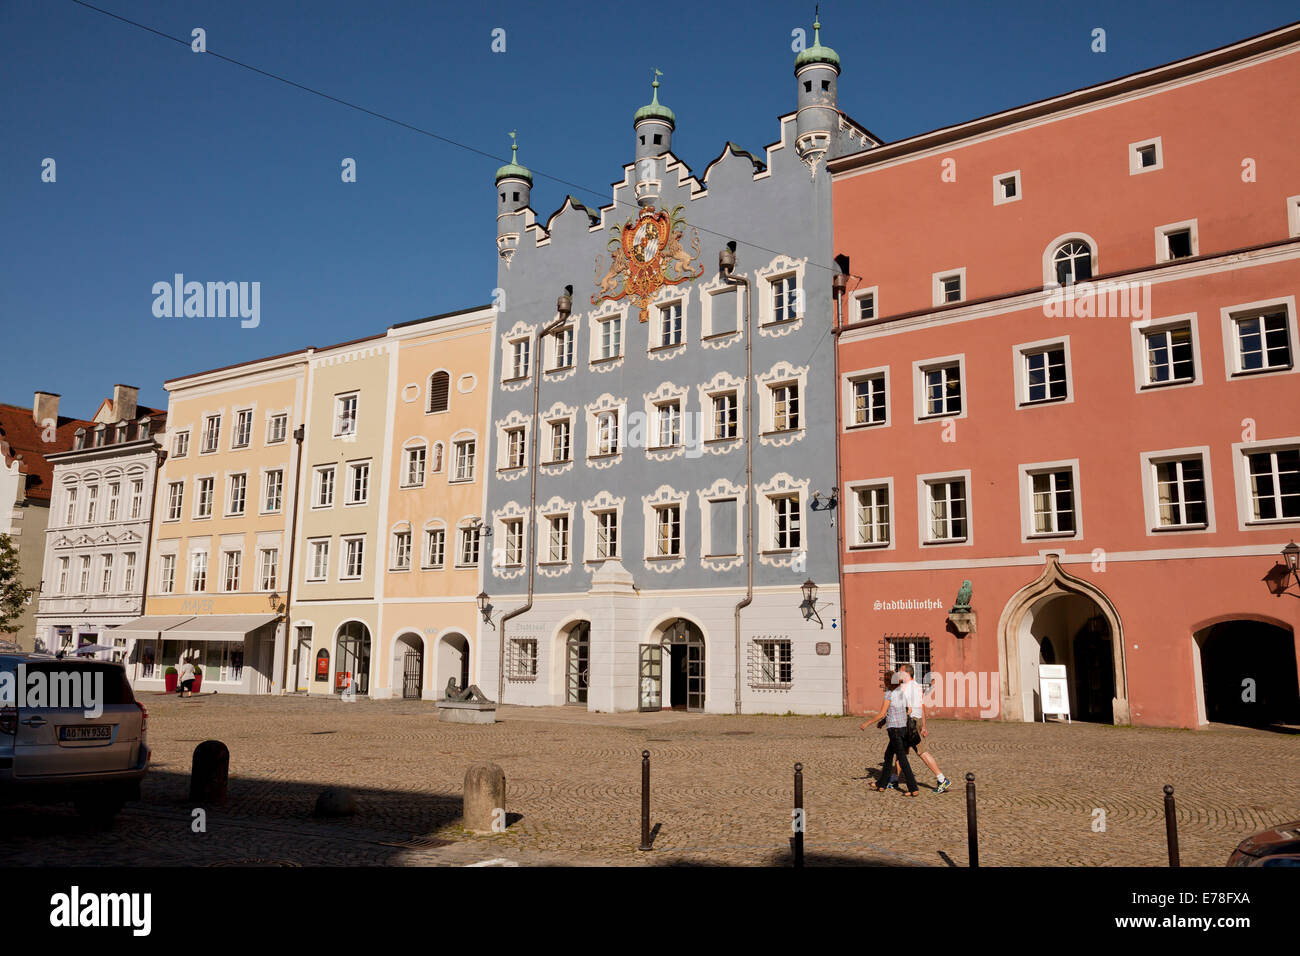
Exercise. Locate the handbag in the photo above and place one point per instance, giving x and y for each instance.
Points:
(913, 732)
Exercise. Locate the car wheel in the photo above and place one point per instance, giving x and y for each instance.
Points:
(99, 809)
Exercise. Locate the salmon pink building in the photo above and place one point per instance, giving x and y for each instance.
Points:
(1068, 387)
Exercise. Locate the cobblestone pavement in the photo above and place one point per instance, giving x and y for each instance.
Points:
(722, 790)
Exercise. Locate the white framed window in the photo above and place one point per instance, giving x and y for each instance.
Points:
(203, 501)
(770, 664)
(1272, 482)
(468, 551)
(1167, 353)
(211, 434)
(1293, 216)
(606, 528)
(1260, 337)
(786, 414)
(939, 391)
(607, 433)
(514, 541)
(128, 572)
(670, 324)
(521, 663)
(1146, 155)
(866, 399)
(913, 650)
(323, 481)
(175, 500)
(668, 531)
(786, 298)
(237, 494)
(726, 415)
(273, 491)
(277, 429)
(401, 556)
(439, 392)
(70, 514)
(114, 499)
(562, 348)
(414, 466)
(167, 574)
(242, 435)
(354, 558)
(872, 515)
(520, 351)
(84, 577)
(721, 524)
(949, 286)
(92, 504)
(945, 508)
(864, 304)
(1177, 490)
(64, 564)
(1177, 240)
(668, 424)
(610, 337)
(787, 525)
(1072, 262)
(1042, 372)
(106, 575)
(137, 498)
(1050, 500)
(557, 538)
(181, 444)
(268, 569)
(515, 442)
(230, 568)
(561, 444)
(357, 491)
(464, 460)
(1006, 187)
(318, 565)
(345, 414)
(198, 572)
(435, 547)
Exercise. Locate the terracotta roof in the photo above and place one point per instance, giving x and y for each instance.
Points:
(23, 436)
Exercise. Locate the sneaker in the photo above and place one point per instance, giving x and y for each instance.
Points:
(943, 787)
(892, 785)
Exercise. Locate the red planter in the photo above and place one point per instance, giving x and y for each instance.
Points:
(169, 682)
(198, 682)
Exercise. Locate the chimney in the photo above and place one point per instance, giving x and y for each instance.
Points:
(124, 400)
(45, 406)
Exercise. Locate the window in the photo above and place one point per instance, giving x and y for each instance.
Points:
(514, 528)
(211, 434)
(413, 473)
(114, 497)
(207, 491)
(522, 663)
(1169, 355)
(611, 337)
(345, 415)
(128, 575)
(785, 298)
(558, 539)
(324, 495)
(942, 390)
(519, 350)
(723, 528)
(561, 440)
(948, 287)
(354, 553)
(914, 651)
(514, 448)
(668, 531)
(273, 498)
(1178, 244)
(1045, 378)
(70, 516)
(402, 551)
(1263, 341)
(725, 416)
(277, 429)
(181, 444)
(175, 500)
(167, 573)
(1145, 156)
(1072, 262)
(268, 569)
(869, 405)
(358, 487)
(785, 523)
(607, 433)
(670, 325)
(770, 665)
(320, 560)
(92, 503)
(464, 461)
(199, 572)
(1180, 493)
(236, 500)
(1274, 484)
(866, 306)
(439, 391)
(1052, 496)
(469, 547)
(435, 547)
(106, 578)
(946, 504)
(84, 577)
(562, 348)
(871, 516)
(606, 534)
(669, 421)
(137, 499)
(785, 406)
(230, 567)
(243, 428)
(1006, 188)
(63, 576)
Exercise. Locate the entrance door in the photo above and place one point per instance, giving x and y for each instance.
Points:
(353, 658)
(412, 675)
(1094, 673)
(303, 653)
(578, 664)
(686, 665)
(651, 677)
(695, 677)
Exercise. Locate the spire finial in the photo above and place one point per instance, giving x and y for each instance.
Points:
(817, 24)
(654, 85)
(514, 145)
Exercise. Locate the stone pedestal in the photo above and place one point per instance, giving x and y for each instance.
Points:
(467, 711)
(963, 622)
(485, 799)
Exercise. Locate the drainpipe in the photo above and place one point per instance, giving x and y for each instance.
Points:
(298, 434)
(727, 269)
(161, 455)
(839, 285)
(564, 307)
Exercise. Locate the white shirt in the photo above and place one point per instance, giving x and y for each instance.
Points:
(902, 699)
(187, 671)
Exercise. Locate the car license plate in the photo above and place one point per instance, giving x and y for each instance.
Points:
(93, 732)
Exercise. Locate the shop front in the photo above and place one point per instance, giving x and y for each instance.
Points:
(233, 652)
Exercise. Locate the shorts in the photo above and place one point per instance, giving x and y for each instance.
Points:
(922, 746)
(188, 685)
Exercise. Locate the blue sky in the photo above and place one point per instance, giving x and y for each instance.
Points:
(168, 161)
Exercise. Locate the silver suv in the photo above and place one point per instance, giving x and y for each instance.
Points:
(70, 729)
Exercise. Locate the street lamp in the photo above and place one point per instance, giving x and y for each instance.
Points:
(485, 608)
(809, 605)
(1291, 554)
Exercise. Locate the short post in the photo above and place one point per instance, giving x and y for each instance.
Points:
(209, 772)
(484, 800)
(798, 814)
(1171, 826)
(972, 829)
(645, 801)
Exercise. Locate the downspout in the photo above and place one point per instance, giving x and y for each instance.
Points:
(727, 268)
(161, 455)
(563, 308)
(298, 435)
(839, 284)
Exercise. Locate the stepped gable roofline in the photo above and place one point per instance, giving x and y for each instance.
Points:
(733, 149)
(593, 217)
(1198, 63)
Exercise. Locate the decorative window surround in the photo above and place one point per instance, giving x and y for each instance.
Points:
(439, 560)
(608, 310)
(781, 373)
(409, 463)
(780, 485)
(1138, 333)
(553, 372)
(663, 495)
(1148, 462)
(1025, 473)
(666, 392)
(762, 289)
(721, 555)
(722, 382)
(604, 501)
(722, 315)
(512, 511)
(605, 403)
(553, 507)
(666, 296)
(557, 412)
(515, 420)
(519, 331)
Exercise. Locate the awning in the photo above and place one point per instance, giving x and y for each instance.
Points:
(220, 627)
(148, 627)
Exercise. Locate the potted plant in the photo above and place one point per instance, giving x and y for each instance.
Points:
(198, 678)
(170, 676)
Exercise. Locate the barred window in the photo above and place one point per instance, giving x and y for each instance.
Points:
(521, 662)
(770, 665)
(911, 649)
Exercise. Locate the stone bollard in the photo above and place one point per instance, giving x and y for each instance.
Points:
(209, 772)
(336, 802)
(485, 799)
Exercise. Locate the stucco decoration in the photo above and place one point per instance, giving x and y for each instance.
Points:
(545, 566)
(722, 488)
(500, 516)
(606, 403)
(664, 495)
(609, 310)
(722, 382)
(781, 372)
(556, 411)
(516, 419)
(782, 483)
(645, 255)
(780, 265)
(649, 432)
(520, 330)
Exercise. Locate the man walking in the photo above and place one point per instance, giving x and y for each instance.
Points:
(921, 744)
(894, 711)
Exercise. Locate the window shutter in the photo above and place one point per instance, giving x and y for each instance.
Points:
(439, 391)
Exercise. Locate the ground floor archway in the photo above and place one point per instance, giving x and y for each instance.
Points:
(352, 662)
(672, 673)
(407, 672)
(577, 662)
(1247, 674)
(453, 660)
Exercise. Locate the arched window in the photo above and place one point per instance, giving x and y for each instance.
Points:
(439, 391)
(1072, 262)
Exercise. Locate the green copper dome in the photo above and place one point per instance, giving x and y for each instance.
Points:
(817, 53)
(512, 170)
(654, 109)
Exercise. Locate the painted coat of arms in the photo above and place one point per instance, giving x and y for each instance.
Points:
(646, 254)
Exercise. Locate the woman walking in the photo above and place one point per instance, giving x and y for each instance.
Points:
(895, 710)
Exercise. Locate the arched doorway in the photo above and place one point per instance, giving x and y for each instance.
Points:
(408, 667)
(453, 660)
(1248, 673)
(1061, 619)
(353, 658)
(577, 662)
(672, 669)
